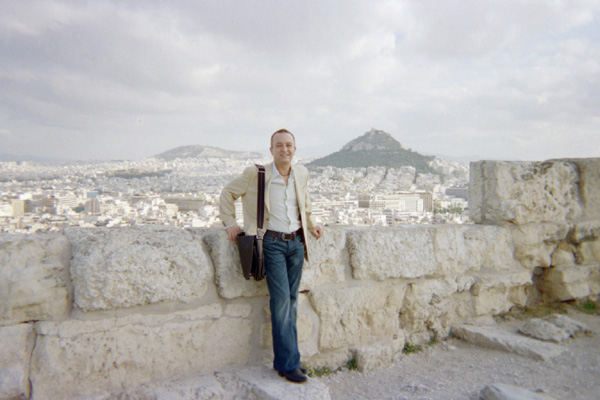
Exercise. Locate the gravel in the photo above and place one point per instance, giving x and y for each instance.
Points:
(453, 369)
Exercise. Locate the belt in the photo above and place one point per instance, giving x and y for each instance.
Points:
(284, 236)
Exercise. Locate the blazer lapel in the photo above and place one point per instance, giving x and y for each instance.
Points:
(298, 182)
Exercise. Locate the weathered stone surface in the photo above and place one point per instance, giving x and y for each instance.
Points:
(379, 355)
(268, 385)
(326, 263)
(92, 356)
(569, 325)
(588, 230)
(589, 176)
(564, 255)
(184, 388)
(496, 292)
(492, 301)
(554, 328)
(588, 253)
(429, 307)
(34, 278)
(125, 267)
(487, 279)
(495, 338)
(543, 330)
(391, 252)
(567, 283)
(238, 310)
(331, 359)
(357, 315)
(460, 249)
(586, 238)
(16, 344)
(500, 391)
(524, 192)
(535, 243)
(256, 383)
(228, 271)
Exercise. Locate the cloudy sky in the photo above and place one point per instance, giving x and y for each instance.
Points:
(510, 79)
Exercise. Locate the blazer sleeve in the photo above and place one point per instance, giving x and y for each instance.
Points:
(310, 221)
(230, 193)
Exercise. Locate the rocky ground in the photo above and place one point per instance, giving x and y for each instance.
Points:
(454, 369)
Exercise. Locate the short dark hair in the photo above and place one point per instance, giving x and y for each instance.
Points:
(282, 131)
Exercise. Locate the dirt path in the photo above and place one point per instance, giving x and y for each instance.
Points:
(454, 369)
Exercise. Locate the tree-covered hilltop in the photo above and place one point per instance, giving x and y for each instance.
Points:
(375, 148)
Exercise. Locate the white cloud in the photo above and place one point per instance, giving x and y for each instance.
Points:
(451, 77)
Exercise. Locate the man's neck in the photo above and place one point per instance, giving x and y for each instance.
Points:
(284, 169)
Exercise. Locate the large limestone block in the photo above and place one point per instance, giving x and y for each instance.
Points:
(353, 315)
(84, 358)
(585, 231)
(487, 279)
(588, 253)
(379, 355)
(16, 345)
(585, 237)
(125, 267)
(536, 243)
(459, 249)
(34, 277)
(326, 263)
(493, 301)
(568, 283)
(228, 270)
(384, 253)
(431, 305)
(524, 192)
(589, 177)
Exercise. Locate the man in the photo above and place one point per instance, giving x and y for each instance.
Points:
(287, 217)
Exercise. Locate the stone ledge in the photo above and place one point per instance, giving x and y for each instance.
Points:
(495, 338)
(257, 383)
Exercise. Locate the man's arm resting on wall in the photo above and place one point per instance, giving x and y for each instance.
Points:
(313, 227)
(230, 193)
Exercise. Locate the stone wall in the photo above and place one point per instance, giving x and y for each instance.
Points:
(91, 313)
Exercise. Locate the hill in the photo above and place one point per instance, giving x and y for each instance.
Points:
(196, 151)
(375, 148)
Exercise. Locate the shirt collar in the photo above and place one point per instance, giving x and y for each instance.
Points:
(276, 173)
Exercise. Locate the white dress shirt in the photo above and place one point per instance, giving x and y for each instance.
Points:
(283, 204)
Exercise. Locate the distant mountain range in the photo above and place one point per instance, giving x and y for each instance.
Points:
(196, 151)
(375, 148)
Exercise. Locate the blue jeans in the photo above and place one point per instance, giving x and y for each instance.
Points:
(283, 264)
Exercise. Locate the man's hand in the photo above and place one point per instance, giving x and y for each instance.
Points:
(317, 231)
(233, 232)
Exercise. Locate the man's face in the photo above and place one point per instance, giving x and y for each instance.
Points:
(283, 148)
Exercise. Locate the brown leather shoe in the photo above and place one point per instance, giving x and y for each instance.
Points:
(295, 376)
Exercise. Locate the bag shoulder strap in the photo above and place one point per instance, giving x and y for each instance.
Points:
(260, 206)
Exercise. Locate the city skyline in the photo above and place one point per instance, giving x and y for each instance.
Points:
(481, 80)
